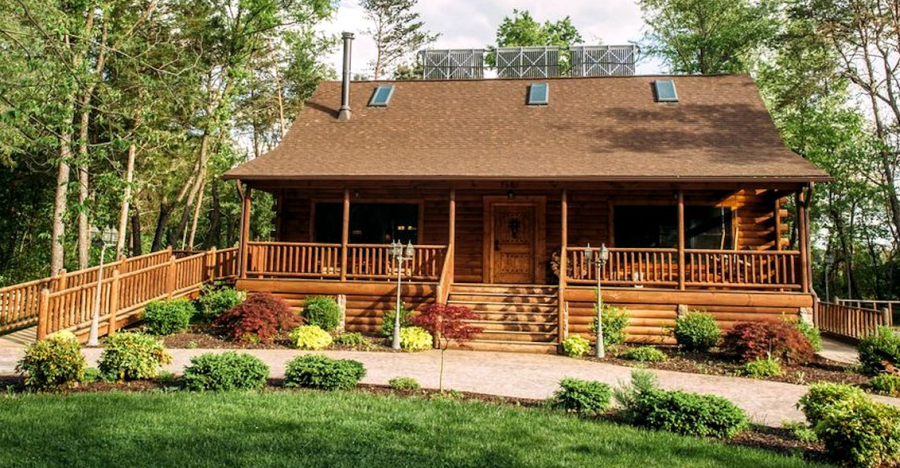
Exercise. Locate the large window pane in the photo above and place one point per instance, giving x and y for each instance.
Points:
(706, 227)
(370, 223)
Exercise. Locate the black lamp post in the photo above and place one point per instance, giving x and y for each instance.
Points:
(598, 262)
(400, 254)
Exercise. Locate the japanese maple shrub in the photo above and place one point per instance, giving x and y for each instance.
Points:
(261, 317)
(449, 324)
(751, 341)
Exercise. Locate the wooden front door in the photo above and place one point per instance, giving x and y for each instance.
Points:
(515, 237)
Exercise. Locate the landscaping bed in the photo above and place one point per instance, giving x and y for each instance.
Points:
(200, 336)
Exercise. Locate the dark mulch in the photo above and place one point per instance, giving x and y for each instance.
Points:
(716, 363)
(202, 337)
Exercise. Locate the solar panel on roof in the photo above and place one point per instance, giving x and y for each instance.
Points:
(381, 96)
(665, 91)
(539, 94)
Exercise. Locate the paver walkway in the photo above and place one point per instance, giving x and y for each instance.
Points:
(534, 376)
(838, 351)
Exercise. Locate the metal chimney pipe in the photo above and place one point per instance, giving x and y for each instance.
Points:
(344, 113)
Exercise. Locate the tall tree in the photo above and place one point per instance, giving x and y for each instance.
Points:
(522, 30)
(397, 30)
(707, 36)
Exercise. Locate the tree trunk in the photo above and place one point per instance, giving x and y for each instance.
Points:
(84, 230)
(126, 199)
(213, 233)
(136, 242)
(57, 248)
(165, 210)
(197, 206)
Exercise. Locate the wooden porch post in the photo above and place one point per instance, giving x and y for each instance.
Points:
(563, 268)
(345, 234)
(802, 234)
(451, 239)
(681, 264)
(245, 232)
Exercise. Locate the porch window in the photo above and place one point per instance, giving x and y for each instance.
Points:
(370, 223)
(706, 227)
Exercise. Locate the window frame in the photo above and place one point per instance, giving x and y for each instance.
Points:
(734, 234)
(387, 100)
(420, 202)
(659, 97)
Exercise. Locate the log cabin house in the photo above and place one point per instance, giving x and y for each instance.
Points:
(503, 184)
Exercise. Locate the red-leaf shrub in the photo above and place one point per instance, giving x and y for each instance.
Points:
(749, 341)
(449, 323)
(261, 316)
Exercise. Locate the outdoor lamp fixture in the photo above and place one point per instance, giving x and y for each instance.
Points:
(401, 254)
(105, 238)
(601, 258)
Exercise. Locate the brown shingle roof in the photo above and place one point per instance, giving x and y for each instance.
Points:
(606, 128)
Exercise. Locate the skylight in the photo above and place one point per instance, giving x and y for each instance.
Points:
(538, 94)
(665, 91)
(381, 96)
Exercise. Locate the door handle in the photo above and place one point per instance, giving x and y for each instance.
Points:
(496, 245)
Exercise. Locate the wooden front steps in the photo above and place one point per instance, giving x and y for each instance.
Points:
(519, 318)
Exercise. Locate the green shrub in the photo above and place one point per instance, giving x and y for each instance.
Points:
(323, 312)
(53, 363)
(642, 381)
(405, 384)
(644, 354)
(861, 432)
(585, 397)
(576, 346)
(387, 320)
(886, 384)
(214, 300)
(820, 396)
(322, 372)
(310, 337)
(688, 413)
(167, 317)
(92, 374)
(811, 333)
(878, 349)
(801, 431)
(415, 339)
(696, 331)
(762, 368)
(354, 339)
(132, 356)
(225, 371)
(615, 319)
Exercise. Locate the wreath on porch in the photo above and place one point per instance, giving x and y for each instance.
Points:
(570, 268)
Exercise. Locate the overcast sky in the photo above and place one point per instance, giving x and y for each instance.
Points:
(466, 24)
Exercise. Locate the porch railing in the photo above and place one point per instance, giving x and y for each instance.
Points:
(323, 261)
(750, 269)
(848, 321)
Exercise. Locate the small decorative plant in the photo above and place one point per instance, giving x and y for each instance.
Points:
(585, 397)
(615, 320)
(53, 363)
(132, 356)
(751, 341)
(225, 371)
(324, 373)
(696, 331)
(357, 340)
(576, 346)
(811, 333)
(259, 318)
(644, 354)
(310, 337)
(389, 317)
(323, 312)
(861, 432)
(886, 384)
(215, 299)
(820, 396)
(168, 316)
(415, 339)
(879, 350)
(762, 368)
(450, 324)
(404, 384)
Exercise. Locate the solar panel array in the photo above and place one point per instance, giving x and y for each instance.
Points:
(603, 60)
(528, 62)
(452, 64)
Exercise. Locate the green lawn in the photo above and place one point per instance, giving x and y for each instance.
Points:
(306, 429)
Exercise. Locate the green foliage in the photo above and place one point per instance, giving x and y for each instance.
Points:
(92, 374)
(415, 339)
(862, 433)
(576, 346)
(214, 300)
(132, 356)
(762, 368)
(357, 340)
(323, 312)
(168, 316)
(310, 337)
(389, 316)
(644, 354)
(696, 331)
(53, 363)
(688, 413)
(225, 371)
(585, 397)
(877, 349)
(820, 396)
(886, 384)
(322, 372)
(626, 395)
(404, 384)
(801, 431)
(811, 333)
(398, 31)
(615, 319)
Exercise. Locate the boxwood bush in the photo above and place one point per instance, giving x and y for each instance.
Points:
(688, 413)
(168, 316)
(696, 331)
(214, 300)
(820, 396)
(415, 339)
(405, 384)
(615, 319)
(323, 312)
(886, 384)
(132, 356)
(584, 397)
(310, 337)
(225, 371)
(644, 354)
(576, 346)
(762, 368)
(53, 363)
(322, 372)
(877, 349)
(861, 432)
